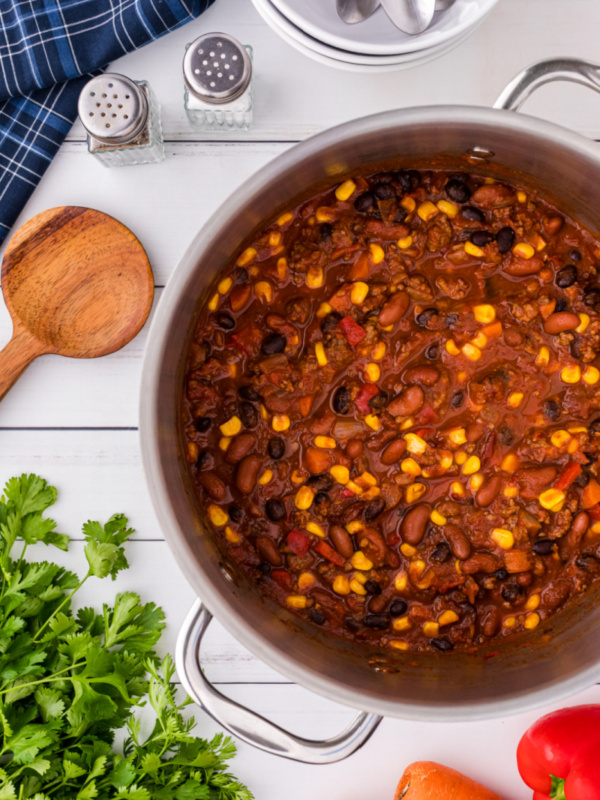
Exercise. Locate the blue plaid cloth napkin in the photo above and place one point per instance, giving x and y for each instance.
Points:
(48, 49)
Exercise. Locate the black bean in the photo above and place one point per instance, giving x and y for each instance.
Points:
(372, 587)
(441, 552)
(341, 400)
(225, 321)
(543, 547)
(374, 509)
(458, 398)
(551, 409)
(275, 510)
(481, 238)
(566, 276)
(235, 513)
(384, 191)
(584, 477)
(442, 643)
(513, 593)
(398, 608)
(506, 436)
(451, 320)
(326, 232)
(432, 353)
(316, 616)
(203, 424)
(423, 318)
(592, 298)
(561, 304)
(505, 239)
(575, 255)
(364, 202)
(400, 215)
(322, 503)
(594, 426)
(276, 447)
(248, 393)
(241, 275)
(264, 568)
(329, 322)
(321, 482)
(204, 460)
(472, 213)
(408, 179)
(248, 415)
(379, 401)
(458, 190)
(273, 343)
(501, 574)
(587, 562)
(352, 624)
(378, 621)
(577, 347)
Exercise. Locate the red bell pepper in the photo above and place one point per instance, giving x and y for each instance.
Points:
(345, 494)
(353, 332)
(558, 755)
(568, 475)
(283, 578)
(594, 513)
(367, 391)
(298, 542)
(325, 550)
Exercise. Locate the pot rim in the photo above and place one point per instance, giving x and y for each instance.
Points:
(198, 577)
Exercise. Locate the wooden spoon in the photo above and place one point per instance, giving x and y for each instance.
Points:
(77, 283)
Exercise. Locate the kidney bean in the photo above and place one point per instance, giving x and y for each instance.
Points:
(563, 321)
(267, 550)
(407, 402)
(377, 603)
(415, 522)
(494, 195)
(316, 460)
(579, 527)
(341, 540)
(239, 296)
(513, 337)
(481, 562)
(212, 484)
(521, 267)
(458, 541)
(393, 452)
(424, 374)
(355, 448)
(490, 620)
(393, 309)
(552, 225)
(246, 473)
(489, 491)
(240, 446)
(534, 480)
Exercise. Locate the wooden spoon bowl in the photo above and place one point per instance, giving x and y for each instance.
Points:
(77, 283)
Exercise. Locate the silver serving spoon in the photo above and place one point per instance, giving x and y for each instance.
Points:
(411, 16)
(352, 11)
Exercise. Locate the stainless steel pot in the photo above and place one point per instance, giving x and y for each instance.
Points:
(563, 656)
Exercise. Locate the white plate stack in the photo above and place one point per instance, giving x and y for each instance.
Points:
(375, 45)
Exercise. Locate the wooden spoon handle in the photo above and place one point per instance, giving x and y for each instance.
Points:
(17, 356)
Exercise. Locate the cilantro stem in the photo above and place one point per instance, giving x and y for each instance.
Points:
(44, 680)
(64, 602)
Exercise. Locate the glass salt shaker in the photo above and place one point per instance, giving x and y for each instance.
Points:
(122, 120)
(217, 70)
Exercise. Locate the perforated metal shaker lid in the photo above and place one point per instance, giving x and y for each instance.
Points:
(113, 108)
(217, 68)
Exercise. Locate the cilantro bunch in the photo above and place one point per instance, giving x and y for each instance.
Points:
(69, 681)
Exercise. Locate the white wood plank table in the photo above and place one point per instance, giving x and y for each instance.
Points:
(75, 422)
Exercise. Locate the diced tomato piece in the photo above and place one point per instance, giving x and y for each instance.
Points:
(325, 550)
(305, 404)
(298, 542)
(427, 414)
(346, 493)
(247, 339)
(367, 392)
(568, 475)
(594, 513)
(283, 578)
(393, 539)
(353, 332)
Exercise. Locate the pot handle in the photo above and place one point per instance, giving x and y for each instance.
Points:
(247, 725)
(536, 75)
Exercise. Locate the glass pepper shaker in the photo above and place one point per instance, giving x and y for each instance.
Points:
(217, 71)
(122, 120)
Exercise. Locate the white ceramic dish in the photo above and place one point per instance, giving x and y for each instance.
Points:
(378, 35)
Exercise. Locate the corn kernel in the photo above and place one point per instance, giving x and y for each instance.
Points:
(377, 254)
(372, 372)
(446, 458)
(263, 411)
(284, 219)
(570, 374)
(345, 190)
(595, 527)
(217, 516)
(457, 436)
(324, 214)
(416, 569)
(408, 550)
(224, 442)
(355, 526)
(532, 602)
(232, 369)
(457, 489)
(192, 452)
(452, 348)
(471, 351)
(360, 561)
(447, 208)
(480, 340)
(408, 423)
(410, 467)
(387, 328)
(224, 286)
(560, 438)
(401, 624)
(405, 242)
(515, 399)
(591, 375)
(340, 473)
(296, 601)
(476, 482)
(246, 257)
(314, 277)
(378, 352)
(509, 622)
(472, 250)
(232, 536)
(484, 313)
(431, 629)
(266, 477)
(357, 587)
(397, 644)
(359, 292)
(584, 321)
(509, 463)
(341, 585)
(543, 357)
(414, 443)
(437, 518)
(282, 268)
(540, 243)
(447, 617)
(304, 498)
(275, 238)
(232, 427)
(264, 291)
(306, 580)
(323, 310)
(493, 330)
(400, 582)
(552, 499)
(366, 479)
(460, 458)
(213, 302)
(523, 250)
(280, 422)
(503, 538)
(373, 422)
(320, 354)
(325, 442)
(427, 211)
(510, 491)
(415, 491)
(521, 197)
(297, 476)
(354, 487)
(472, 465)
(531, 621)
(408, 203)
